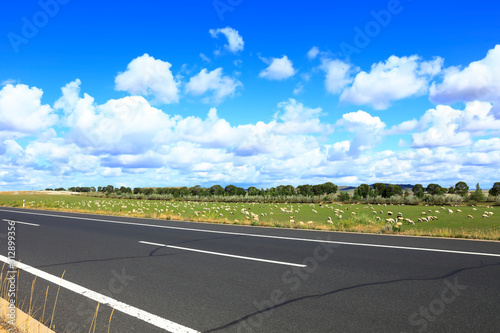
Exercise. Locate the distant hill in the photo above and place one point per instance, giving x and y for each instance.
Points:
(352, 188)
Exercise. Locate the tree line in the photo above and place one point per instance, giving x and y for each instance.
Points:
(363, 191)
(215, 190)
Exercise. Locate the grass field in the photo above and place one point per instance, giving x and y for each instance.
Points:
(339, 217)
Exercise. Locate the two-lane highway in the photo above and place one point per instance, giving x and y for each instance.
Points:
(180, 276)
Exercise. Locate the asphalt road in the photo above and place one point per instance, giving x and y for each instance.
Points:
(248, 279)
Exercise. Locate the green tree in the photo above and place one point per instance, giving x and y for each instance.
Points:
(195, 190)
(495, 190)
(461, 188)
(379, 188)
(416, 188)
(363, 190)
(252, 190)
(216, 190)
(392, 190)
(343, 197)
(305, 190)
(330, 188)
(478, 195)
(435, 189)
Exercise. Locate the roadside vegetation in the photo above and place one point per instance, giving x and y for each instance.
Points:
(450, 219)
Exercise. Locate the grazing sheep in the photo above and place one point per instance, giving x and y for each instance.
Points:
(400, 214)
(443, 208)
(400, 218)
(374, 212)
(353, 213)
(409, 221)
(378, 218)
(437, 212)
(450, 211)
(469, 216)
(424, 213)
(486, 216)
(381, 212)
(459, 210)
(389, 213)
(390, 220)
(474, 209)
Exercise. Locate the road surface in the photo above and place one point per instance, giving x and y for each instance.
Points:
(193, 277)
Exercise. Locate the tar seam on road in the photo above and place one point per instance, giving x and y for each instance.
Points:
(226, 255)
(266, 236)
(150, 318)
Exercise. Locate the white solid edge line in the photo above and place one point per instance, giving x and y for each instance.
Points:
(33, 224)
(264, 236)
(226, 255)
(103, 299)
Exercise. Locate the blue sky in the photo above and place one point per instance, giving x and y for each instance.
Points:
(173, 93)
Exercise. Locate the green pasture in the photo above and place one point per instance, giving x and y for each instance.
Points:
(327, 216)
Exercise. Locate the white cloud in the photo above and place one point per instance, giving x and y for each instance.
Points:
(298, 119)
(444, 130)
(404, 127)
(455, 128)
(486, 146)
(392, 80)
(313, 53)
(338, 151)
(221, 86)
(211, 132)
(22, 112)
(204, 57)
(147, 76)
(127, 125)
(278, 69)
(235, 42)
(337, 75)
(478, 81)
(368, 130)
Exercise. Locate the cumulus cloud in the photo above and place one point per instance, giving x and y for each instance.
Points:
(404, 127)
(392, 80)
(368, 130)
(127, 125)
(313, 53)
(220, 85)
(443, 131)
(337, 75)
(298, 119)
(480, 80)
(235, 42)
(21, 110)
(445, 126)
(212, 132)
(278, 69)
(486, 146)
(147, 76)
